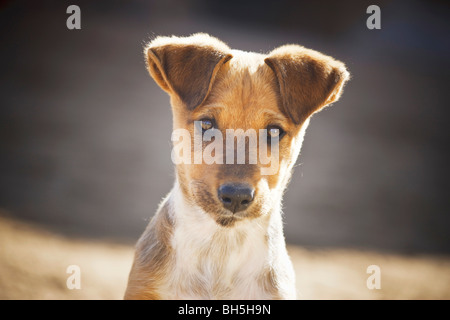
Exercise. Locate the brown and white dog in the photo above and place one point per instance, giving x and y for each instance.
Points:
(218, 234)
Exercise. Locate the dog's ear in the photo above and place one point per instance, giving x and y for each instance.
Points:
(308, 80)
(186, 66)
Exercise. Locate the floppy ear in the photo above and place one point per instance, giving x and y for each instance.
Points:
(308, 80)
(186, 67)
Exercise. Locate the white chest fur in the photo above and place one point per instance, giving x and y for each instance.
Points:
(215, 262)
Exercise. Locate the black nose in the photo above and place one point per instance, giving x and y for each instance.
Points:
(236, 196)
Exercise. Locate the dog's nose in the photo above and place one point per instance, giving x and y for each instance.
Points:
(236, 196)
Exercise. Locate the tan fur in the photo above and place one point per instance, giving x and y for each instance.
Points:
(308, 80)
(153, 253)
(240, 90)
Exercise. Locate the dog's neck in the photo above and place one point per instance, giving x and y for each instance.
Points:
(209, 256)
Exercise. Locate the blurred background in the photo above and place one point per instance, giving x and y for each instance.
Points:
(85, 132)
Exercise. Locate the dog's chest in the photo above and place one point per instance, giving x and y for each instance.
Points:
(212, 262)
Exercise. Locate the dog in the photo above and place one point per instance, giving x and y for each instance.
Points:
(218, 234)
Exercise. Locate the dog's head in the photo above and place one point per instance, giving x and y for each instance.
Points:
(239, 118)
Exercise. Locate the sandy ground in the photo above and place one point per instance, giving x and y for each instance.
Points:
(33, 265)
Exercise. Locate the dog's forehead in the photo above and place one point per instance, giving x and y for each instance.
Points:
(245, 84)
(250, 61)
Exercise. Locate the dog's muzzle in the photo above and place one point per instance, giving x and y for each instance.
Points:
(236, 196)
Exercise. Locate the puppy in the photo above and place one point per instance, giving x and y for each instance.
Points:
(218, 234)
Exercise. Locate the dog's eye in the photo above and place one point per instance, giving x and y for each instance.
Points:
(275, 132)
(207, 124)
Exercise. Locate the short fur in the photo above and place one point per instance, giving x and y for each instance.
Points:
(193, 247)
